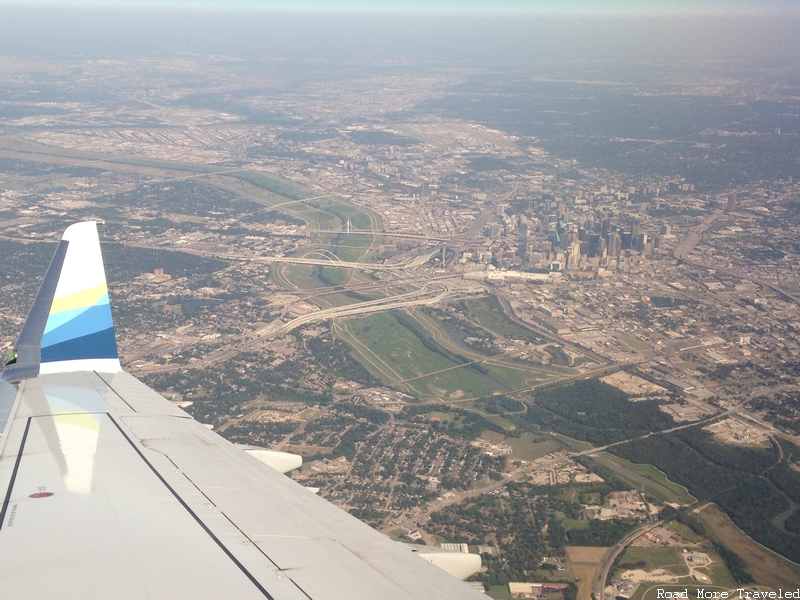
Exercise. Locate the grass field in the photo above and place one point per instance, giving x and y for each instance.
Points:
(488, 313)
(525, 447)
(718, 573)
(573, 524)
(394, 353)
(686, 533)
(514, 378)
(333, 276)
(583, 562)
(572, 444)
(273, 184)
(654, 481)
(390, 350)
(500, 421)
(439, 334)
(458, 383)
(355, 248)
(669, 559)
(294, 276)
(499, 592)
(507, 376)
(168, 164)
(359, 219)
(315, 218)
(767, 567)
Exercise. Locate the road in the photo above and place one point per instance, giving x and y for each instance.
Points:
(458, 497)
(430, 294)
(683, 249)
(690, 241)
(509, 312)
(605, 566)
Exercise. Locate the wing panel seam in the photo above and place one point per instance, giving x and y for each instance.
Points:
(194, 515)
(7, 499)
(116, 393)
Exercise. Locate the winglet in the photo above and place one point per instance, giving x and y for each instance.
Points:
(69, 326)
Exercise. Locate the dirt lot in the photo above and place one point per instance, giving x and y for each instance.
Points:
(586, 554)
(631, 384)
(767, 567)
(583, 562)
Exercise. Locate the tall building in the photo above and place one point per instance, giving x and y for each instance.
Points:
(732, 198)
(614, 244)
(522, 249)
(594, 245)
(573, 255)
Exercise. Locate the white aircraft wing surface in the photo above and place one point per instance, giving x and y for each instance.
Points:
(110, 491)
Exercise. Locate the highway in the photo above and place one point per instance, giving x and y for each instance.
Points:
(410, 236)
(429, 294)
(690, 241)
(605, 566)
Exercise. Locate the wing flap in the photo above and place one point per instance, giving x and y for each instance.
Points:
(104, 524)
(313, 542)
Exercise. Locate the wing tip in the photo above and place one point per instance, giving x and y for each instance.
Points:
(54, 337)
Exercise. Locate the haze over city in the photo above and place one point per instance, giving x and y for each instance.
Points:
(516, 279)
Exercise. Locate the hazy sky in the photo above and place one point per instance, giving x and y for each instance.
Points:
(491, 7)
(465, 31)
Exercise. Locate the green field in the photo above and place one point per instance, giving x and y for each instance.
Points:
(294, 276)
(334, 276)
(359, 219)
(394, 353)
(507, 376)
(527, 446)
(659, 486)
(168, 164)
(488, 313)
(670, 559)
(572, 524)
(499, 592)
(513, 379)
(357, 247)
(400, 351)
(275, 185)
(458, 383)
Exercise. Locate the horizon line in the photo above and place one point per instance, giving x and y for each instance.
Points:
(312, 7)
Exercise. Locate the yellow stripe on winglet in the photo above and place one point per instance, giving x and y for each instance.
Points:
(83, 299)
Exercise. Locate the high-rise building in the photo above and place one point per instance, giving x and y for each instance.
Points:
(614, 244)
(594, 245)
(732, 198)
(573, 255)
(522, 249)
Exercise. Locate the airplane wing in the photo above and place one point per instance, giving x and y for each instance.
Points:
(110, 491)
